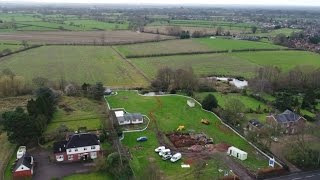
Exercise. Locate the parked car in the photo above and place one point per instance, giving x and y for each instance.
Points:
(142, 139)
(164, 152)
(160, 148)
(166, 157)
(176, 157)
(21, 151)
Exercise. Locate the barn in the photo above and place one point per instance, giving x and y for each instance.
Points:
(24, 167)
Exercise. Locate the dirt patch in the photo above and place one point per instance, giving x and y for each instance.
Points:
(88, 37)
(187, 140)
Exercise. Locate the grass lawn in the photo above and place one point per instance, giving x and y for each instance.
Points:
(170, 112)
(79, 64)
(247, 101)
(94, 25)
(6, 151)
(87, 113)
(94, 175)
(226, 44)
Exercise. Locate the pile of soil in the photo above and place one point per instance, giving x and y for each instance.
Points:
(187, 140)
(222, 147)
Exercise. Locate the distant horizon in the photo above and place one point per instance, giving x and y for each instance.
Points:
(269, 3)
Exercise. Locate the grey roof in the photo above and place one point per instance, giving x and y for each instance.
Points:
(133, 116)
(256, 123)
(82, 140)
(24, 160)
(287, 116)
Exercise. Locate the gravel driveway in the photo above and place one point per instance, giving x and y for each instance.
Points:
(46, 170)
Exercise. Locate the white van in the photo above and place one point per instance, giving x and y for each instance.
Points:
(21, 151)
(160, 148)
(164, 152)
(176, 157)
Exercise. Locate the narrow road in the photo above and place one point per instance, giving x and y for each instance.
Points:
(311, 175)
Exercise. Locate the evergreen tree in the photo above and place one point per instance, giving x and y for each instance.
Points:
(209, 102)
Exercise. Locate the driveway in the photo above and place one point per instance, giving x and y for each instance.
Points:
(46, 170)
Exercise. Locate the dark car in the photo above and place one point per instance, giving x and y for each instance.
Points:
(142, 139)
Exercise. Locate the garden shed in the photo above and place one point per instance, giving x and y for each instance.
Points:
(191, 103)
(235, 152)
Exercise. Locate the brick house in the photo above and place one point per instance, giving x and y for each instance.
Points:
(288, 121)
(77, 147)
(24, 167)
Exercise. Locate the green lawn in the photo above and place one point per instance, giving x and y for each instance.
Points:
(94, 25)
(93, 176)
(86, 113)
(247, 101)
(74, 63)
(227, 44)
(170, 112)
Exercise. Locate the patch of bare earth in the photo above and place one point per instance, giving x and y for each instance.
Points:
(87, 37)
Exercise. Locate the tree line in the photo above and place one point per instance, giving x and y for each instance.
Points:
(26, 126)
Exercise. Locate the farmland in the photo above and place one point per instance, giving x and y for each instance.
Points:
(192, 45)
(39, 22)
(232, 64)
(74, 63)
(85, 37)
(170, 112)
(9, 46)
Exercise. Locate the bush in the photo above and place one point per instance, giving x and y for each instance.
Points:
(309, 118)
(209, 102)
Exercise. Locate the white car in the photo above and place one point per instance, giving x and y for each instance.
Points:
(21, 151)
(160, 148)
(166, 157)
(164, 152)
(176, 157)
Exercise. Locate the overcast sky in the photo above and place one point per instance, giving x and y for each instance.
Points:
(244, 2)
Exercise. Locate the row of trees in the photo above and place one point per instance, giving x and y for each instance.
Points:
(95, 91)
(23, 127)
(168, 79)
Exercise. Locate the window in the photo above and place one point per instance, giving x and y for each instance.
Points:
(70, 157)
(85, 149)
(93, 155)
(93, 147)
(76, 150)
(69, 150)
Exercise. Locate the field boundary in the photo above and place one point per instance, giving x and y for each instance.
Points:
(211, 52)
(20, 50)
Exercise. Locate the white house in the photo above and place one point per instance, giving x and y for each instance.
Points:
(125, 118)
(191, 103)
(235, 152)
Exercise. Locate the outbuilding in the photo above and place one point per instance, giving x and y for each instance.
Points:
(235, 152)
(191, 103)
(24, 167)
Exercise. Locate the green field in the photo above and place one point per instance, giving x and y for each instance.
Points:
(227, 44)
(11, 47)
(232, 64)
(170, 112)
(95, 25)
(85, 114)
(172, 46)
(74, 63)
(192, 45)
